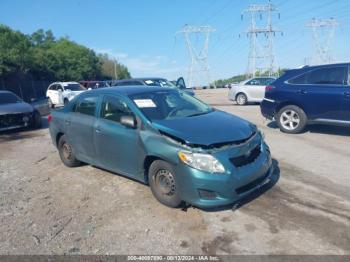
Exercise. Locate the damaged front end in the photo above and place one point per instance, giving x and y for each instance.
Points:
(13, 121)
(211, 147)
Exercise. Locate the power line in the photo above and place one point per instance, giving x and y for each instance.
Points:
(199, 58)
(261, 59)
(323, 33)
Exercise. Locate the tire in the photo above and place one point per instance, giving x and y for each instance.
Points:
(51, 105)
(291, 119)
(162, 180)
(36, 121)
(241, 99)
(66, 153)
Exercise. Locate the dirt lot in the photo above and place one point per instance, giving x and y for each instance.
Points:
(46, 208)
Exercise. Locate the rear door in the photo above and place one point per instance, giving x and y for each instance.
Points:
(118, 147)
(80, 127)
(255, 89)
(53, 93)
(320, 92)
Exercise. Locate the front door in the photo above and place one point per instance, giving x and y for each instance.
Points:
(118, 147)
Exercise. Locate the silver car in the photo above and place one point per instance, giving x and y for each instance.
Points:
(251, 90)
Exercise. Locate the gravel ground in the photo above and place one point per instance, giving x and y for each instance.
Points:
(47, 208)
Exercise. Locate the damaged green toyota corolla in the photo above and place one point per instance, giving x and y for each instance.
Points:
(185, 150)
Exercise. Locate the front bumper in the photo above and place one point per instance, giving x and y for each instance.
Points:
(207, 190)
(14, 121)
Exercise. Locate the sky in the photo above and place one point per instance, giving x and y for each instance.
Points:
(142, 34)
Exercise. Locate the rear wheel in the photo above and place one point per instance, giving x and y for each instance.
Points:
(66, 153)
(291, 119)
(162, 180)
(241, 99)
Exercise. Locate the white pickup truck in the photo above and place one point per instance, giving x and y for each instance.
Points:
(60, 93)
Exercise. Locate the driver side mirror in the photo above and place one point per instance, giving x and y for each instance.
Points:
(128, 121)
(180, 83)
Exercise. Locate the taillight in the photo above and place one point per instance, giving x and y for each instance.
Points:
(269, 88)
(49, 118)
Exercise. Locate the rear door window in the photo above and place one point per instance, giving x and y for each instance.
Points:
(254, 82)
(87, 105)
(328, 76)
(323, 76)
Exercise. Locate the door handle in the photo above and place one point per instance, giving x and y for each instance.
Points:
(347, 94)
(302, 91)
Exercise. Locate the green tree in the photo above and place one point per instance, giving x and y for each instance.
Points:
(111, 69)
(15, 53)
(40, 56)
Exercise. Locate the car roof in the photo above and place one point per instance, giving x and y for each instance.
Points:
(321, 66)
(69, 82)
(129, 90)
(141, 79)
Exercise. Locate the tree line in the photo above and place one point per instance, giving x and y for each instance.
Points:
(240, 78)
(42, 56)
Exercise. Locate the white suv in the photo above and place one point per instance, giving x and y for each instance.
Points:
(60, 93)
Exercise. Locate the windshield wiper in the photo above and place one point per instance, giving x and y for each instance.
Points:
(198, 114)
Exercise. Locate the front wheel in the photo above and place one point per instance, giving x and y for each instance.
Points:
(162, 180)
(291, 119)
(36, 120)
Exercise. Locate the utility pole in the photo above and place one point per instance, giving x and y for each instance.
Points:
(323, 34)
(199, 58)
(115, 69)
(261, 59)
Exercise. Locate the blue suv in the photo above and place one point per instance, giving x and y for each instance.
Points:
(312, 94)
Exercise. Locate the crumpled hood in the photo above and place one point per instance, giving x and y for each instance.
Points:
(15, 108)
(212, 128)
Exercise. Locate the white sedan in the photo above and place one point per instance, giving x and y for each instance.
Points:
(251, 90)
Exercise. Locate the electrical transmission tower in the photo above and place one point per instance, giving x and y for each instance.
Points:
(261, 58)
(199, 66)
(323, 33)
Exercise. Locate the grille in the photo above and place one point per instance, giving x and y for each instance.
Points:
(252, 184)
(11, 120)
(246, 159)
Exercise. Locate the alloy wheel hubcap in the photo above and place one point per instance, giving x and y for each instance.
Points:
(241, 99)
(165, 182)
(290, 119)
(67, 151)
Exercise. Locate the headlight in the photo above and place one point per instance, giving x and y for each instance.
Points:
(202, 162)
